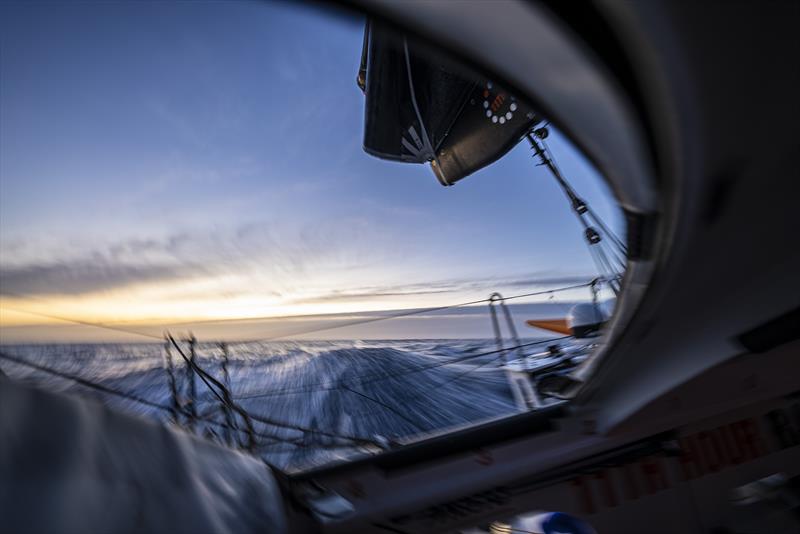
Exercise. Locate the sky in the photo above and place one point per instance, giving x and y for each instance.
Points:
(187, 162)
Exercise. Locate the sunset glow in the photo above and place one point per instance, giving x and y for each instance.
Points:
(155, 174)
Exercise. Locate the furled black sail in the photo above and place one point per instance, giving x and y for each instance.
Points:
(421, 108)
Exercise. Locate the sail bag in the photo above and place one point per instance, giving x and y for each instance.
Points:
(421, 107)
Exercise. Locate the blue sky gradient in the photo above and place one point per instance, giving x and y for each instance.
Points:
(197, 160)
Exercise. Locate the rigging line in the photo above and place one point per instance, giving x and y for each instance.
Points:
(604, 266)
(228, 401)
(204, 376)
(614, 251)
(543, 282)
(368, 379)
(80, 322)
(84, 382)
(548, 162)
(610, 233)
(598, 263)
(546, 155)
(425, 137)
(418, 311)
(590, 211)
(176, 407)
(602, 255)
(568, 186)
(611, 249)
(613, 285)
(576, 202)
(616, 254)
(619, 267)
(610, 265)
(225, 398)
(122, 394)
(387, 406)
(598, 244)
(611, 276)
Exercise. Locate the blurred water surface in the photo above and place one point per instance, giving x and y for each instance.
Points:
(388, 391)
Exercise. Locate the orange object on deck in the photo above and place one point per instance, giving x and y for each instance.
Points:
(554, 325)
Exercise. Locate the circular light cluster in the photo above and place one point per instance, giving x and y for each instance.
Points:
(499, 107)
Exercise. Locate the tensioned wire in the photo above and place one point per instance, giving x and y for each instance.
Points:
(123, 394)
(358, 322)
(258, 417)
(226, 399)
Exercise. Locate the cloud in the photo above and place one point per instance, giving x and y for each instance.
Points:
(267, 252)
(315, 263)
(83, 276)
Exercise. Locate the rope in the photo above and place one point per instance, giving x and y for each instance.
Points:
(274, 440)
(224, 398)
(617, 241)
(227, 400)
(409, 313)
(619, 260)
(413, 311)
(617, 250)
(418, 311)
(589, 210)
(78, 321)
(425, 139)
(123, 394)
(176, 408)
(226, 377)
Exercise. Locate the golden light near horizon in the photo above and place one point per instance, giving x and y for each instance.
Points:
(134, 307)
(187, 301)
(230, 308)
(214, 200)
(238, 295)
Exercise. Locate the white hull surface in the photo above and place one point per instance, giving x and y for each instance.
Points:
(70, 465)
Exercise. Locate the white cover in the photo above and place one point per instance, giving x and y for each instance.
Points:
(72, 465)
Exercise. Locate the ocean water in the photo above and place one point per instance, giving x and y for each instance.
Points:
(308, 398)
